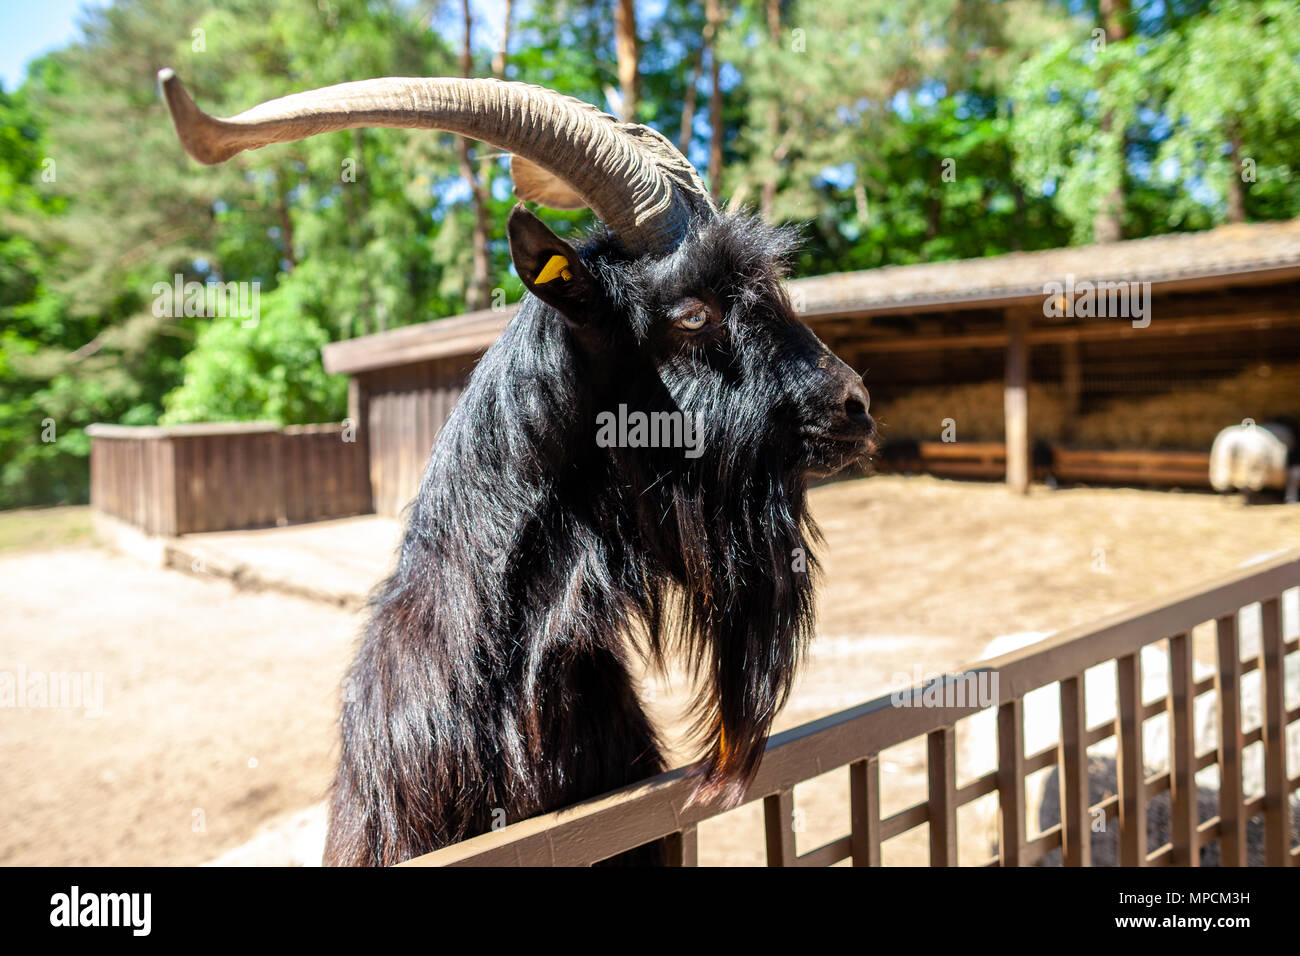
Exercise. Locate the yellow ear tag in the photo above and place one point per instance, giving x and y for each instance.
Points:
(556, 266)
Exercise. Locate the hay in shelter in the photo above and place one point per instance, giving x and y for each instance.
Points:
(1185, 419)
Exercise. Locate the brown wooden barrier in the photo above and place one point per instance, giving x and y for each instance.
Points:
(988, 461)
(853, 739)
(180, 479)
(1184, 469)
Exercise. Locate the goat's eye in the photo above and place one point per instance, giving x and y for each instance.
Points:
(693, 315)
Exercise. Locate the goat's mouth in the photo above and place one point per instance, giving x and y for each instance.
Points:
(827, 451)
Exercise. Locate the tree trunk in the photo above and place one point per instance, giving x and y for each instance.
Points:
(688, 103)
(503, 52)
(478, 291)
(713, 14)
(1108, 224)
(286, 225)
(768, 195)
(1236, 185)
(629, 53)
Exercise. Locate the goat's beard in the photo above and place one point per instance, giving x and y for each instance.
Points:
(734, 599)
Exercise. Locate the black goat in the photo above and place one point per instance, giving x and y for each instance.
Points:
(545, 545)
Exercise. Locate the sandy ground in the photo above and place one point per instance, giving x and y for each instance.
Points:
(217, 710)
(218, 703)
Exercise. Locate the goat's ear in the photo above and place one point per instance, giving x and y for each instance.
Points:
(550, 267)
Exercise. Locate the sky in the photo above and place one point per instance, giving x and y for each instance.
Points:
(29, 28)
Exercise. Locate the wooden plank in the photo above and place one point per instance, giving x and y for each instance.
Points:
(977, 788)
(864, 810)
(360, 413)
(1108, 332)
(233, 455)
(331, 467)
(296, 456)
(201, 429)
(97, 502)
(1041, 845)
(470, 333)
(907, 819)
(941, 765)
(200, 483)
(1122, 466)
(828, 854)
(778, 825)
(1232, 832)
(269, 480)
(1184, 815)
(683, 847)
(1132, 775)
(168, 521)
(1076, 831)
(1136, 457)
(1071, 377)
(1011, 782)
(180, 484)
(1277, 816)
(220, 491)
(1016, 401)
(988, 452)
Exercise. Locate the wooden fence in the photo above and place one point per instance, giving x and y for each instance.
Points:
(853, 739)
(988, 461)
(187, 478)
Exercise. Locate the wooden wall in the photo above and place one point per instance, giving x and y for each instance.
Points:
(1194, 337)
(184, 479)
(404, 408)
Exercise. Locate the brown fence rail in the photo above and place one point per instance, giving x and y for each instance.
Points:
(853, 739)
(988, 461)
(187, 478)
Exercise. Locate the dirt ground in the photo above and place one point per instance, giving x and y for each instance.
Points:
(218, 704)
(217, 710)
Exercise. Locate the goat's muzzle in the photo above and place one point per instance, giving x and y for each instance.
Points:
(845, 433)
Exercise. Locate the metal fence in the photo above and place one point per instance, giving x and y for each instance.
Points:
(853, 740)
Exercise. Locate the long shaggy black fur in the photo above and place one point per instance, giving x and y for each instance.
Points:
(493, 680)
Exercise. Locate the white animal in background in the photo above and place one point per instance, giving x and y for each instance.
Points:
(1250, 458)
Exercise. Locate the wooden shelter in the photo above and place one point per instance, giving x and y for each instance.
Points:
(1218, 302)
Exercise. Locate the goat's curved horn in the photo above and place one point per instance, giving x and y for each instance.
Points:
(634, 179)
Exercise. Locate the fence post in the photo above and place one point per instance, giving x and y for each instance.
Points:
(778, 817)
(1132, 769)
(1232, 817)
(1011, 781)
(864, 811)
(1277, 816)
(942, 772)
(1076, 838)
(1182, 742)
(684, 847)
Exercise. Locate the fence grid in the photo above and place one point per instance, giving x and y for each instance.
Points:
(853, 739)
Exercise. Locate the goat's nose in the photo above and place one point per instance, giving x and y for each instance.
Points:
(856, 405)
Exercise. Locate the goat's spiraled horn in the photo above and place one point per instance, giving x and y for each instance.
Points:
(636, 181)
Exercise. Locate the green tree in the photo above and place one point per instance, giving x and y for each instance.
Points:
(1234, 106)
